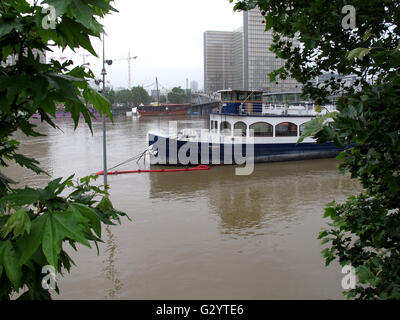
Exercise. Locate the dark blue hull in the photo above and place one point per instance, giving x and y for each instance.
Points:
(168, 151)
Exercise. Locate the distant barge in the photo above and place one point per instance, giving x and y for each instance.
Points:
(163, 109)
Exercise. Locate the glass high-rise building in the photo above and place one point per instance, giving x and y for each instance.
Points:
(241, 59)
(218, 60)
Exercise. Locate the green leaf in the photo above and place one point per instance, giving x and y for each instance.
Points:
(8, 259)
(323, 234)
(29, 163)
(84, 41)
(316, 125)
(59, 5)
(325, 240)
(359, 53)
(105, 205)
(7, 25)
(393, 184)
(329, 212)
(83, 14)
(18, 223)
(328, 255)
(29, 244)
(63, 85)
(105, 5)
(367, 35)
(21, 197)
(58, 227)
(364, 274)
(39, 91)
(98, 101)
(90, 214)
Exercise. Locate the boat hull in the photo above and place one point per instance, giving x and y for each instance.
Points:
(163, 110)
(169, 151)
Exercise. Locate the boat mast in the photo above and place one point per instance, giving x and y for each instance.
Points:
(158, 94)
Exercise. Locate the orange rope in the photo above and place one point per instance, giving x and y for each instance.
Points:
(198, 168)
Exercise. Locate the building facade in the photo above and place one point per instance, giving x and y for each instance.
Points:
(241, 59)
(194, 86)
(218, 60)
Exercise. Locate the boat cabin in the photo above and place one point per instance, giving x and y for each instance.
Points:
(241, 102)
(242, 113)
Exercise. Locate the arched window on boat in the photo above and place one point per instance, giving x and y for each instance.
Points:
(286, 129)
(225, 128)
(261, 129)
(240, 129)
(302, 126)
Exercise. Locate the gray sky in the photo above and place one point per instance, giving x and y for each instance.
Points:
(166, 36)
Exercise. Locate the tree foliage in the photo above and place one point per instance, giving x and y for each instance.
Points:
(109, 93)
(35, 224)
(177, 95)
(365, 230)
(325, 44)
(134, 97)
(140, 96)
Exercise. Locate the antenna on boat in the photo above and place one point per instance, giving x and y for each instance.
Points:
(248, 96)
(158, 93)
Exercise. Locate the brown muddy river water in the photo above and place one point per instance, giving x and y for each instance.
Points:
(195, 235)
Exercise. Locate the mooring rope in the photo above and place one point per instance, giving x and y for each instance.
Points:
(141, 155)
(137, 157)
(198, 168)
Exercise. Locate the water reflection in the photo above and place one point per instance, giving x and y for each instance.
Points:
(275, 192)
(110, 269)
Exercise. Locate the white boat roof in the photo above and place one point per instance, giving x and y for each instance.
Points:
(230, 90)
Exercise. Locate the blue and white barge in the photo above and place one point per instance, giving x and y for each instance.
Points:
(243, 127)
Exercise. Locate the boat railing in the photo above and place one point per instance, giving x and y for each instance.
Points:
(284, 110)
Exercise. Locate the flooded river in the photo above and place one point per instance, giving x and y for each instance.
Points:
(195, 235)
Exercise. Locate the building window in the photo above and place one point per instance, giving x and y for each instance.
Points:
(225, 128)
(286, 129)
(261, 129)
(240, 129)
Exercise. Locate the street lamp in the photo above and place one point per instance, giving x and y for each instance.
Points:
(103, 73)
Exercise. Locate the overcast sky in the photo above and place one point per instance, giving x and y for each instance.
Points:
(165, 35)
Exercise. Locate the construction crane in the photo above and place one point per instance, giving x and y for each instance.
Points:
(84, 57)
(59, 58)
(129, 67)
